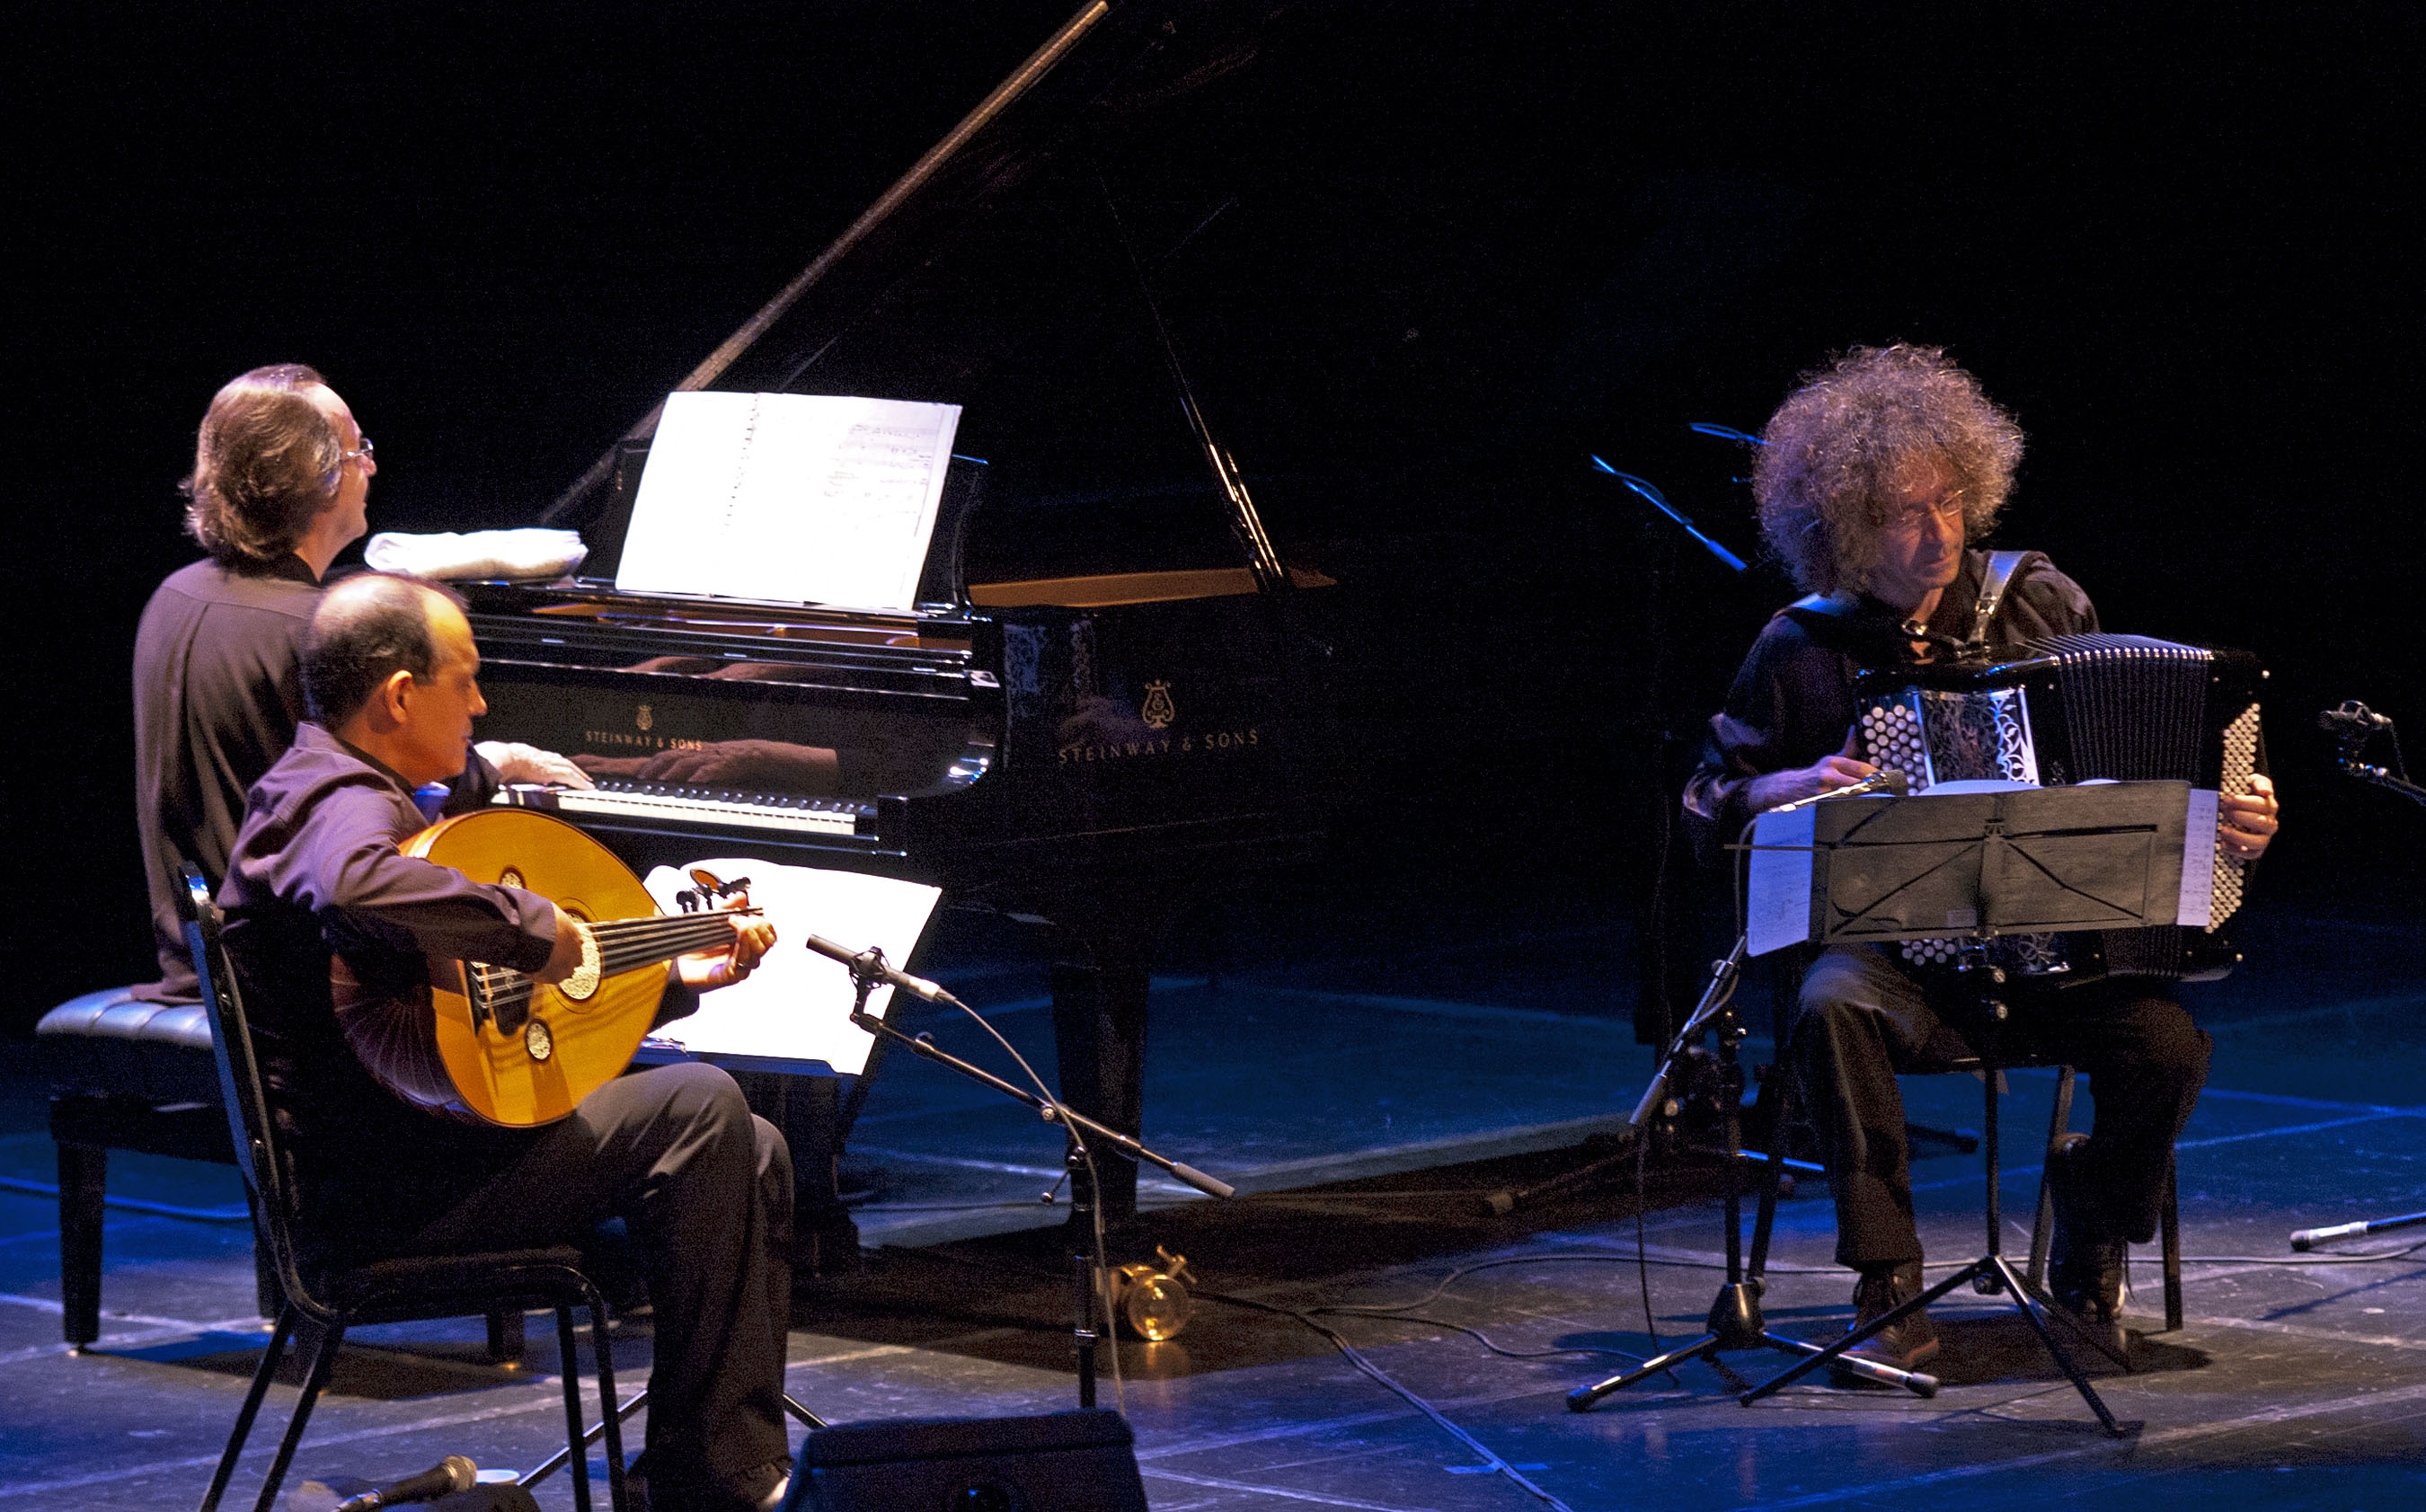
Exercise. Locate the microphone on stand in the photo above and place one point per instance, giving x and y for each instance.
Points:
(449, 1475)
(2352, 717)
(872, 964)
(1889, 779)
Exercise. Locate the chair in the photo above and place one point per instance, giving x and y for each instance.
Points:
(1992, 1274)
(390, 1291)
(2169, 1231)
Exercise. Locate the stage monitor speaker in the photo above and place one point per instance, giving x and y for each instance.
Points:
(1060, 1462)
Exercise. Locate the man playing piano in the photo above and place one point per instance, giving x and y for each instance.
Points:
(1875, 477)
(390, 675)
(281, 477)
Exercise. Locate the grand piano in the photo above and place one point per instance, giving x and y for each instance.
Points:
(1096, 731)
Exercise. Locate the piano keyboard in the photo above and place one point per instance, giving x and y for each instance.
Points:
(666, 801)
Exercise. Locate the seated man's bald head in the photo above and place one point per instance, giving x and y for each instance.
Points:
(365, 630)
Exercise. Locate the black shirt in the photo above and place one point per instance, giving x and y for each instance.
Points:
(1792, 700)
(315, 869)
(216, 699)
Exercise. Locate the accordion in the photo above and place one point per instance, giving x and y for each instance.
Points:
(2075, 709)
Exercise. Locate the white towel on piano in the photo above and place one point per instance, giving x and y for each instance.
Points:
(517, 556)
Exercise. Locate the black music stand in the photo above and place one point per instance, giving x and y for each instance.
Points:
(1981, 863)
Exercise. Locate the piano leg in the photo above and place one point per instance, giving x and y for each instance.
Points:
(825, 1241)
(1099, 1037)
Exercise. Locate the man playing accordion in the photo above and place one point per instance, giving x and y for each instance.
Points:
(1874, 479)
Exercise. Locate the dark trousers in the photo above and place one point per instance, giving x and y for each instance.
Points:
(1861, 1019)
(705, 1188)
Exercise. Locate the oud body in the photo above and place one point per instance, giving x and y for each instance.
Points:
(486, 1045)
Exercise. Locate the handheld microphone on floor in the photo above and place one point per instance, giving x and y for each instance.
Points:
(872, 964)
(449, 1475)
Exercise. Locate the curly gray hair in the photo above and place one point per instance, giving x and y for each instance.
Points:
(1841, 443)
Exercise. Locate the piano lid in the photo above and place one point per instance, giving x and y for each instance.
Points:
(1006, 271)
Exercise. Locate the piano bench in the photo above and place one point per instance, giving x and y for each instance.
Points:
(125, 1074)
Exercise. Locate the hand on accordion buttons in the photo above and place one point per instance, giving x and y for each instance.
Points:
(2246, 822)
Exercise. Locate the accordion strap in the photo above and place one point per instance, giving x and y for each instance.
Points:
(2002, 568)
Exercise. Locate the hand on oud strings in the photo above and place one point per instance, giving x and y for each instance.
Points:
(2246, 822)
(707, 969)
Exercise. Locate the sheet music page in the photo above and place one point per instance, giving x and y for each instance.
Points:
(2197, 904)
(795, 497)
(1778, 902)
(796, 1004)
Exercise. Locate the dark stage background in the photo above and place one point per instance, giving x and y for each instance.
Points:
(1420, 258)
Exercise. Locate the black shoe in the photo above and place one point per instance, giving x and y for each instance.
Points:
(1912, 1339)
(2085, 1265)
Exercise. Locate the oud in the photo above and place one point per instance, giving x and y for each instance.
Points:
(488, 1045)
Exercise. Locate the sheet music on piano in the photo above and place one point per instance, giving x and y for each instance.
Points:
(791, 497)
(796, 1008)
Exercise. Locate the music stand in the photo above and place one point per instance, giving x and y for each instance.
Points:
(1989, 860)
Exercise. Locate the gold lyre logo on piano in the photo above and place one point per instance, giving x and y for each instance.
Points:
(644, 717)
(1156, 711)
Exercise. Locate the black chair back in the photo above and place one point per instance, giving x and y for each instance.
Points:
(258, 1152)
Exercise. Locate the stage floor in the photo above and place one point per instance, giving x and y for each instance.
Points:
(1366, 1097)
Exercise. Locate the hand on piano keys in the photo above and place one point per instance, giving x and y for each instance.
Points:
(518, 763)
(766, 765)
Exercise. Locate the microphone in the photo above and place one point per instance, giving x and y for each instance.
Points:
(1886, 779)
(449, 1475)
(875, 965)
(2352, 717)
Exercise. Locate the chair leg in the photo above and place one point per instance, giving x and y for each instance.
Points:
(252, 1408)
(2042, 1224)
(610, 1420)
(2171, 1228)
(84, 1174)
(505, 1336)
(269, 1294)
(569, 1366)
(315, 1380)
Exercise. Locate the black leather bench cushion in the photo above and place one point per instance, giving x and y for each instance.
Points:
(113, 1044)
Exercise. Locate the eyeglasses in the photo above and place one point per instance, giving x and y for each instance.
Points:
(363, 451)
(1946, 506)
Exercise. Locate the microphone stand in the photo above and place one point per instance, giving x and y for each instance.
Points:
(1735, 1320)
(2352, 724)
(869, 969)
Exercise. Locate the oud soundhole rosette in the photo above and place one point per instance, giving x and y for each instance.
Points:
(583, 983)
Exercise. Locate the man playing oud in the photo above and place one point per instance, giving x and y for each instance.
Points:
(390, 677)
(1874, 476)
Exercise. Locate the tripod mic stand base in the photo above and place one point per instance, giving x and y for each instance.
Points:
(1735, 1323)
